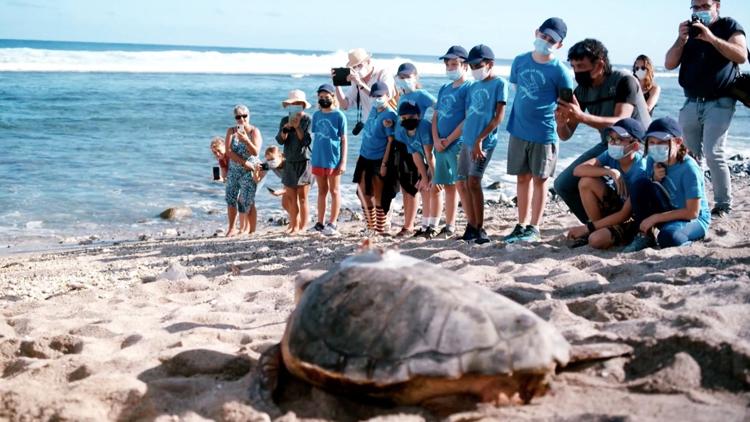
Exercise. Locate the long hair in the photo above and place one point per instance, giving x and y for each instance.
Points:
(648, 81)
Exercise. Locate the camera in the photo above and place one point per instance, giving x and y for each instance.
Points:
(217, 173)
(358, 128)
(264, 166)
(286, 129)
(693, 31)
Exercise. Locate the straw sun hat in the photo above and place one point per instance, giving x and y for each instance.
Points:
(296, 96)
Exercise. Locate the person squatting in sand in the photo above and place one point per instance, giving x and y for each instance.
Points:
(296, 176)
(242, 144)
(605, 185)
(328, 156)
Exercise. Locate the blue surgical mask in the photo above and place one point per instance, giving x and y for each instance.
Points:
(379, 102)
(659, 153)
(704, 16)
(454, 75)
(542, 47)
(408, 85)
(616, 151)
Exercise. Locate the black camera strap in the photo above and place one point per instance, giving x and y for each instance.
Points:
(359, 106)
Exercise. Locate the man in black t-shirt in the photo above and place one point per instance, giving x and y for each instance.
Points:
(709, 50)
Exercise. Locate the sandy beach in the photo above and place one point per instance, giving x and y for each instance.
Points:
(171, 329)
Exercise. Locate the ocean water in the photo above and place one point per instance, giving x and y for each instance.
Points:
(97, 139)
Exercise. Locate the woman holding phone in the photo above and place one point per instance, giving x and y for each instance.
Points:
(242, 143)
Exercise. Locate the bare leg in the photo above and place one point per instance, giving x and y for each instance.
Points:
(451, 204)
(334, 186)
(304, 209)
(436, 204)
(285, 205)
(232, 217)
(539, 200)
(477, 200)
(322, 194)
(463, 192)
(410, 209)
(523, 194)
(243, 223)
(252, 217)
(592, 191)
(290, 196)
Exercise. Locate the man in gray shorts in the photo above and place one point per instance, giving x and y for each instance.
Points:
(532, 150)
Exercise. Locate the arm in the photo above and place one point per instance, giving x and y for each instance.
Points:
(341, 97)
(342, 163)
(674, 55)
(494, 123)
(619, 217)
(590, 168)
(690, 212)
(256, 140)
(384, 163)
(280, 135)
(654, 98)
(438, 144)
(424, 177)
(258, 174)
(430, 159)
(457, 132)
(734, 49)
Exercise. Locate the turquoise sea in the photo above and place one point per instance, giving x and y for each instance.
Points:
(97, 139)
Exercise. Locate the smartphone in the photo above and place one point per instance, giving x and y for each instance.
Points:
(340, 75)
(240, 128)
(292, 116)
(270, 190)
(217, 173)
(264, 166)
(566, 94)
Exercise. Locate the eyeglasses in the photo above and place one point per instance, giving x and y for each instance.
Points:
(240, 116)
(620, 139)
(639, 68)
(701, 7)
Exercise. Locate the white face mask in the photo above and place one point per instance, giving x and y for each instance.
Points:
(481, 74)
(380, 102)
(407, 85)
(454, 75)
(275, 163)
(640, 74)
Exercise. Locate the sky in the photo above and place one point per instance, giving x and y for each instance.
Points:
(627, 27)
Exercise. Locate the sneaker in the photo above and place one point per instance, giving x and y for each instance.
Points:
(316, 228)
(420, 232)
(530, 234)
(404, 232)
(330, 230)
(640, 243)
(721, 211)
(515, 234)
(447, 232)
(469, 234)
(482, 237)
(430, 233)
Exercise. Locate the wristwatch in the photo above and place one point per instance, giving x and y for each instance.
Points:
(591, 227)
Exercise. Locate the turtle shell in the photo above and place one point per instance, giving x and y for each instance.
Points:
(381, 320)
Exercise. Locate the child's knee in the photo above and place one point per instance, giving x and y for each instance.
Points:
(601, 239)
(669, 238)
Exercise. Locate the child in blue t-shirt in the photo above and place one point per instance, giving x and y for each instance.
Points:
(447, 131)
(328, 156)
(605, 185)
(415, 134)
(672, 198)
(485, 109)
(377, 137)
(533, 145)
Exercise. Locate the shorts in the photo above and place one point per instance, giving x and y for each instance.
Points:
(297, 173)
(611, 201)
(526, 157)
(467, 167)
(368, 169)
(446, 165)
(323, 172)
(623, 233)
(408, 174)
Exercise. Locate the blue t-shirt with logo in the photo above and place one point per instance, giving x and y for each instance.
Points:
(375, 134)
(637, 168)
(451, 109)
(533, 115)
(416, 143)
(685, 181)
(480, 109)
(420, 97)
(327, 130)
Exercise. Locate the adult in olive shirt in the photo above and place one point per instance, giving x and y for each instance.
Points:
(603, 97)
(709, 52)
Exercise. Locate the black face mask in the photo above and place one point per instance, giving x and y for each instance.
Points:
(410, 124)
(584, 79)
(325, 103)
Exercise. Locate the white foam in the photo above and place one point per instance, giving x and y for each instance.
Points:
(388, 260)
(186, 61)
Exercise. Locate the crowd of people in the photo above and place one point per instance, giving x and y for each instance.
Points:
(642, 185)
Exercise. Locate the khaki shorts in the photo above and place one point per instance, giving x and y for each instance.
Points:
(526, 157)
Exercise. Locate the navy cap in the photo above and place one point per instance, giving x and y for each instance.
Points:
(664, 128)
(479, 53)
(327, 88)
(555, 28)
(629, 128)
(408, 107)
(406, 69)
(378, 89)
(455, 52)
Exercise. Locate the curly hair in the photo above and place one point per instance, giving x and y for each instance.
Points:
(593, 50)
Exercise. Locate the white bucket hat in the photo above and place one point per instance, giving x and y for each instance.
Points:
(357, 56)
(296, 96)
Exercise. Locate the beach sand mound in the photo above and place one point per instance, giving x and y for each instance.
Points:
(173, 329)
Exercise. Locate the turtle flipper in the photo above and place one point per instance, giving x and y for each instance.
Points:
(266, 381)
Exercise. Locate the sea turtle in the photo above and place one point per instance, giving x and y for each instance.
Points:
(388, 326)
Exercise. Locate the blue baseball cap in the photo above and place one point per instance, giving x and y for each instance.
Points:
(455, 52)
(326, 88)
(555, 28)
(628, 128)
(408, 107)
(378, 89)
(479, 53)
(406, 70)
(664, 129)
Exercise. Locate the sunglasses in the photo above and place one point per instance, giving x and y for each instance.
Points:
(639, 68)
(241, 116)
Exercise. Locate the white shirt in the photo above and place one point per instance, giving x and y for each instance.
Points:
(365, 101)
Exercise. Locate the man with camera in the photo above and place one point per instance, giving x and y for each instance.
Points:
(709, 50)
(362, 74)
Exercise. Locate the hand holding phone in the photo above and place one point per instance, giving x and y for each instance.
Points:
(565, 94)
(341, 76)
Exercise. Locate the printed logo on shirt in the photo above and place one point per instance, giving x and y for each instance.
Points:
(445, 108)
(531, 81)
(324, 128)
(479, 100)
